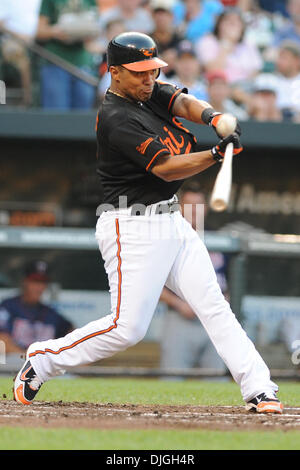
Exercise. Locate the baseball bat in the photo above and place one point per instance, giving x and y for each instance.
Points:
(221, 192)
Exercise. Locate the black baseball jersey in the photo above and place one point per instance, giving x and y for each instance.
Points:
(131, 136)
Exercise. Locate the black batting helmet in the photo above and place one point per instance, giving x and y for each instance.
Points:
(135, 51)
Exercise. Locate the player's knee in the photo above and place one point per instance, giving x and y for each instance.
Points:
(133, 335)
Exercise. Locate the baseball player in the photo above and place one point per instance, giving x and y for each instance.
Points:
(25, 318)
(144, 155)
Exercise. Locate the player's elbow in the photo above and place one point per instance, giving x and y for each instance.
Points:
(164, 176)
(167, 176)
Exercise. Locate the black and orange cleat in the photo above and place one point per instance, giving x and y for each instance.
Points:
(265, 403)
(26, 384)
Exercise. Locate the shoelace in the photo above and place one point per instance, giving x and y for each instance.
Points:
(35, 383)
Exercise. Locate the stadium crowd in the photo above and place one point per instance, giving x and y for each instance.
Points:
(243, 56)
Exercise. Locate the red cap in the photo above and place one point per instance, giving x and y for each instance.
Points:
(215, 75)
(229, 3)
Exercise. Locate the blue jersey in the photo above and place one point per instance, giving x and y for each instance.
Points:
(29, 323)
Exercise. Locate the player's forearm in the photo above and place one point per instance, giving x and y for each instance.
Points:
(177, 167)
(190, 108)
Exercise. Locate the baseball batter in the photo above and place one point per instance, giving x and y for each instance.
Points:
(144, 154)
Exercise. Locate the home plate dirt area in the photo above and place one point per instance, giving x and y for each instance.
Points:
(128, 416)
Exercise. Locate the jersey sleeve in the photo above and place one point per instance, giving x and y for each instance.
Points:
(138, 144)
(165, 94)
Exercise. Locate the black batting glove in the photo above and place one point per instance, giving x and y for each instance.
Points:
(218, 151)
(211, 118)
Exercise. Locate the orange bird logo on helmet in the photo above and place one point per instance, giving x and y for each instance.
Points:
(148, 52)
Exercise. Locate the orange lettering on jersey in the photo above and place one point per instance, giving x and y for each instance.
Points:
(173, 142)
(188, 148)
(167, 142)
(181, 126)
(142, 148)
(175, 146)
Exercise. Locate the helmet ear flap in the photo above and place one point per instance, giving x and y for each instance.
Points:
(157, 73)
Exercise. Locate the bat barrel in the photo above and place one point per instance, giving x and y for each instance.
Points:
(221, 191)
(218, 205)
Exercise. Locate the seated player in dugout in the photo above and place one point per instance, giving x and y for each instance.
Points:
(144, 154)
(24, 318)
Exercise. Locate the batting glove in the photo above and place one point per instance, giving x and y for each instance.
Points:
(211, 117)
(218, 151)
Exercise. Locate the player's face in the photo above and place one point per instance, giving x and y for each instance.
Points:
(33, 290)
(136, 85)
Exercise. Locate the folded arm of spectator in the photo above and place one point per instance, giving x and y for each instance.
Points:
(45, 31)
(10, 345)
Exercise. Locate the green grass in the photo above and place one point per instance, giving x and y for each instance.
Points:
(91, 439)
(146, 391)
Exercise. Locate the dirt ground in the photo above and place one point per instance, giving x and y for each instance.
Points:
(127, 416)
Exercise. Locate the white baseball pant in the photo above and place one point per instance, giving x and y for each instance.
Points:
(142, 254)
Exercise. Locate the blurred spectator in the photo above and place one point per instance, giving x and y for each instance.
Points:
(134, 16)
(180, 320)
(20, 18)
(194, 18)
(274, 6)
(106, 4)
(112, 29)
(64, 27)
(288, 80)
(292, 30)
(260, 25)
(25, 319)
(277, 96)
(165, 34)
(187, 71)
(226, 49)
(219, 92)
(262, 104)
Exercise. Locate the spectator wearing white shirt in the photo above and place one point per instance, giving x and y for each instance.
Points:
(288, 80)
(19, 18)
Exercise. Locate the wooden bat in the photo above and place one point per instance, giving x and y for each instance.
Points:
(221, 192)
